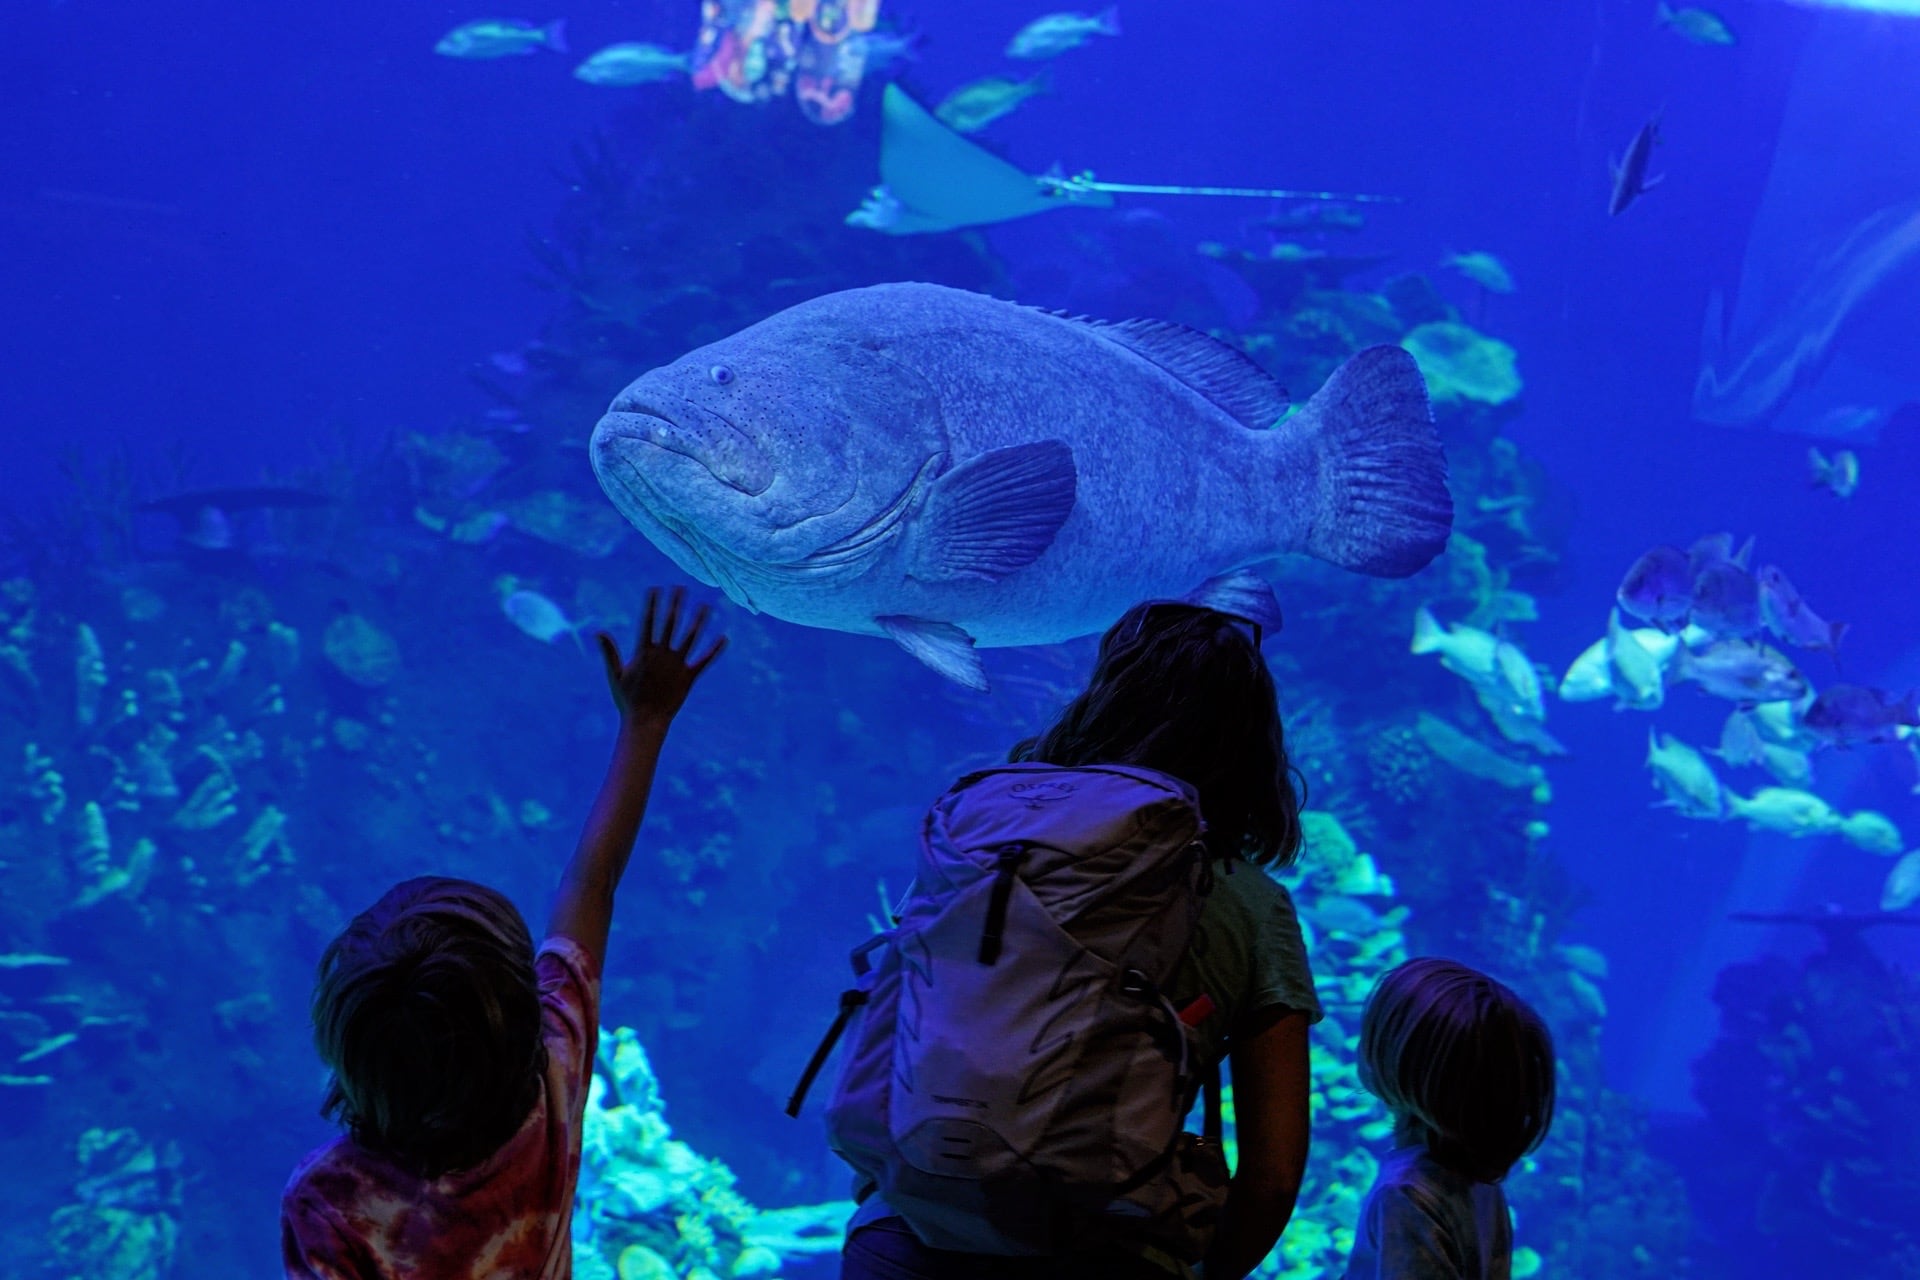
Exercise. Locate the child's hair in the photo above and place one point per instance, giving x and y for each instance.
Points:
(427, 1012)
(1183, 689)
(1465, 1065)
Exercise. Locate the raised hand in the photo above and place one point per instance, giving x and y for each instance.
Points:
(651, 687)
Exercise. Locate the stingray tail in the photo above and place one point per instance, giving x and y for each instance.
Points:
(1384, 508)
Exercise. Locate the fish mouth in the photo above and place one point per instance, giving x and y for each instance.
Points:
(696, 434)
(649, 510)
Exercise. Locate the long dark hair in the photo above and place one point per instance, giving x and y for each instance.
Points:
(1184, 690)
(427, 1012)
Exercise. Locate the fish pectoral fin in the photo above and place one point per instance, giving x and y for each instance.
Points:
(1242, 593)
(941, 645)
(1651, 181)
(994, 513)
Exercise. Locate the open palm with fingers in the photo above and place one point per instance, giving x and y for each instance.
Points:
(652, 685)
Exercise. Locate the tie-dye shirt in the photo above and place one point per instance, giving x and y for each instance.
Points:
(351, 1214)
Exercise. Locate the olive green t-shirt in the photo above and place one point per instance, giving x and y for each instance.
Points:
(1248, 955)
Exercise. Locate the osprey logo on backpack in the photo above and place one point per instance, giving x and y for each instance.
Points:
(1016, 1080)
(1049, 791)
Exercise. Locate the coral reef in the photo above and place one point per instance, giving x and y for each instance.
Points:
(214, 764)
(123, 1221)
(650, 1208)
(1813, 1113)
(1461, 364)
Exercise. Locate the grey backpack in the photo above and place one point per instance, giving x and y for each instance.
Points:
(1016, 1078)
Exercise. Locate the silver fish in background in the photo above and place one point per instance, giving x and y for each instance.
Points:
(1786, 811)
(1483, 268)
(974, 106)
(1751, 737)
(1726, 601)
(884, 48)
(502, 38)
(630, 64)
(1055, 34)
(1847, 714)
(1838, 475)
(1788, 617)
(1683, 776)
(1741, 671)
(1902, 888)
(1658, 588)
(1630, 180)
(951, 470)
(1695, 26)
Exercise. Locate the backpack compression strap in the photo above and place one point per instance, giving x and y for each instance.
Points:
(850, 1000)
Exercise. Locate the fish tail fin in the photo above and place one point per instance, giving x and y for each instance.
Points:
(1663, 14)
(1108, 20)
(554, 35)
(1428, 634)
(1384, 508)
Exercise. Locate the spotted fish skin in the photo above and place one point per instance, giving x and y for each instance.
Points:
(953, 470)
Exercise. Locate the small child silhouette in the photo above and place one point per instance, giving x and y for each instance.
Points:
(1467, 1069)
(461, 1055)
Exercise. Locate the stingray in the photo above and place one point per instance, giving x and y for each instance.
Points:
(933, 179)
(1819, 338)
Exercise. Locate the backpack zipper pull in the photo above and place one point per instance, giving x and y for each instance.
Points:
(1006, 870)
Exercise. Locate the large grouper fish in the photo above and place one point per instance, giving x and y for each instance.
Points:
(952, 471)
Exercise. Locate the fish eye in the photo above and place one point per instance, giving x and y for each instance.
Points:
(720, 374)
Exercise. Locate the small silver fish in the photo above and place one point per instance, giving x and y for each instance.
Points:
(1845, 714)
(1658, 588)
(1838, 475)
(1902, 889)
(1684, 777)
(1726, 601)
(1696, 26)
(629, 64)
(884, 48)
(539, 617)
(1740, 740)
(1788, 616)
(502, 38)
(1873, 831)
(1630, 180)
(1053, 35)
(1483, 269)
(1785, 810)
(1742, 672)
(972, 107)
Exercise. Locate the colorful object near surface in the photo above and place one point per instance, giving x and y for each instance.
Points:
(754, 50)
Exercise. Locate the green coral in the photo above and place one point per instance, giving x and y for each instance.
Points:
(1462, 364)
(1399, 765)
(123, 1222)
(649, 1202)
(361, 651)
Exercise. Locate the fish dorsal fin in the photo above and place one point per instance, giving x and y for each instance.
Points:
(1217, 372)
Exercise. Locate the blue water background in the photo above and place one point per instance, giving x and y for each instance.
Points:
(251, 234)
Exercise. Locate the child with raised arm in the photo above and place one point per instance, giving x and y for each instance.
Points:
(460, 1054)
(1466, 1067)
